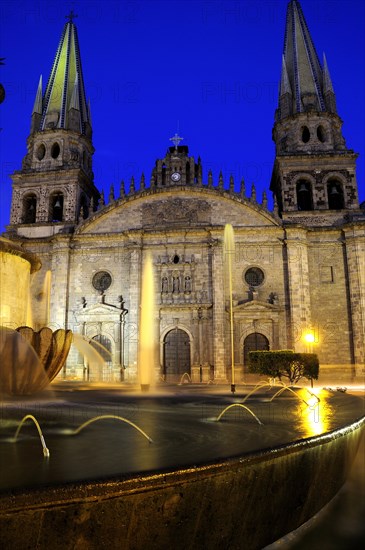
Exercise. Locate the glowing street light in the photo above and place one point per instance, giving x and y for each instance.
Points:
(309, 337)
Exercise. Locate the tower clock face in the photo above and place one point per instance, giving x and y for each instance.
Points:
(176, 176)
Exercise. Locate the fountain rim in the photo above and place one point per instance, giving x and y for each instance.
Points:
(10, 247)
(106, 488)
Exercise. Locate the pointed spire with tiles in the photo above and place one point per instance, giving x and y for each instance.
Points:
(57, 169)
(302, 73)
(314, 169)
(65, 91)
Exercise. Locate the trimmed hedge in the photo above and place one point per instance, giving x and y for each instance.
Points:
(284, 363)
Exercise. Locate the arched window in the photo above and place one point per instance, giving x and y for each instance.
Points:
(321, 135)
(305, 134)
(55, 151)
(254, 342)
(41, 151)
(84, 208)
(304, 195)
(335, 195)
(163, 174)
(188, 172)
(29, 209)
(56, 208)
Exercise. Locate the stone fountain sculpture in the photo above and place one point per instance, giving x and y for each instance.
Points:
(29, 359)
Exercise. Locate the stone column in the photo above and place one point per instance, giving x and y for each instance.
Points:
(60, 274)
(220, 374)
(299, 291)
(355, 252)
(131, 327)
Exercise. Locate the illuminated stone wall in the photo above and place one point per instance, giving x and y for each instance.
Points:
(14, 290)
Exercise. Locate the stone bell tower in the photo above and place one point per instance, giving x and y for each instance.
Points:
(55, 189)
(177, 167)
(314, 170)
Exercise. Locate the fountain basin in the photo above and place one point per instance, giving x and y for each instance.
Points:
(29, 360)
(247, 498)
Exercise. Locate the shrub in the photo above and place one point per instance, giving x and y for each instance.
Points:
(284, 363)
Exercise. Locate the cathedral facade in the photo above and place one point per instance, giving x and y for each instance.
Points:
(298, 272)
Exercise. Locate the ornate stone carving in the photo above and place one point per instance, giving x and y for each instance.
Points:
(176, 211)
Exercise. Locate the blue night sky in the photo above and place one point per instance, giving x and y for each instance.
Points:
(210, 66)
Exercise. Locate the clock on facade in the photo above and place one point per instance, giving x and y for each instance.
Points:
(176, 176)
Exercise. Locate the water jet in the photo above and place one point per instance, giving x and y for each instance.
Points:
(238, 405)
(112, 416)
(46, 452)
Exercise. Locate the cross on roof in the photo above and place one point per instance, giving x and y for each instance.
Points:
(71, 16)
(176, 139)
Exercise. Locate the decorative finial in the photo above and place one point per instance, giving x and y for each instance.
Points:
(253, 193)
(243, 188)
(71, 16)
(122, 189)
(132, 186)
(142, 184)
(111, 193)
(176, 140)
(102, 200)
(264, 199)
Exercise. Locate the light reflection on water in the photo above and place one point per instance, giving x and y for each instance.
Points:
(317, 418)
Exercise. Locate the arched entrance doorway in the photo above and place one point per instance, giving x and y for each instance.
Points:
(176, 355)
(254, 342)
(101, 372)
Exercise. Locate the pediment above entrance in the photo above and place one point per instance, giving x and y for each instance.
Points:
(177, 208)
(256, 309)
(255, 306)
(100, 310)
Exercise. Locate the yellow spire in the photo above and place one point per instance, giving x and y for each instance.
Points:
(65, 87)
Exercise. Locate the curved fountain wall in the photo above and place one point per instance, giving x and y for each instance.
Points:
(245, 502)
(16, 265)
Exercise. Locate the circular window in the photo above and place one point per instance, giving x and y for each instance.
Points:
(102, 280)
(55, 151)
(254, 276)
(41, 151)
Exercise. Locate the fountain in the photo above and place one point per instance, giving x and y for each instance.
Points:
(146, 358)
(171, 493)
(29, 359)
(203, 483)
